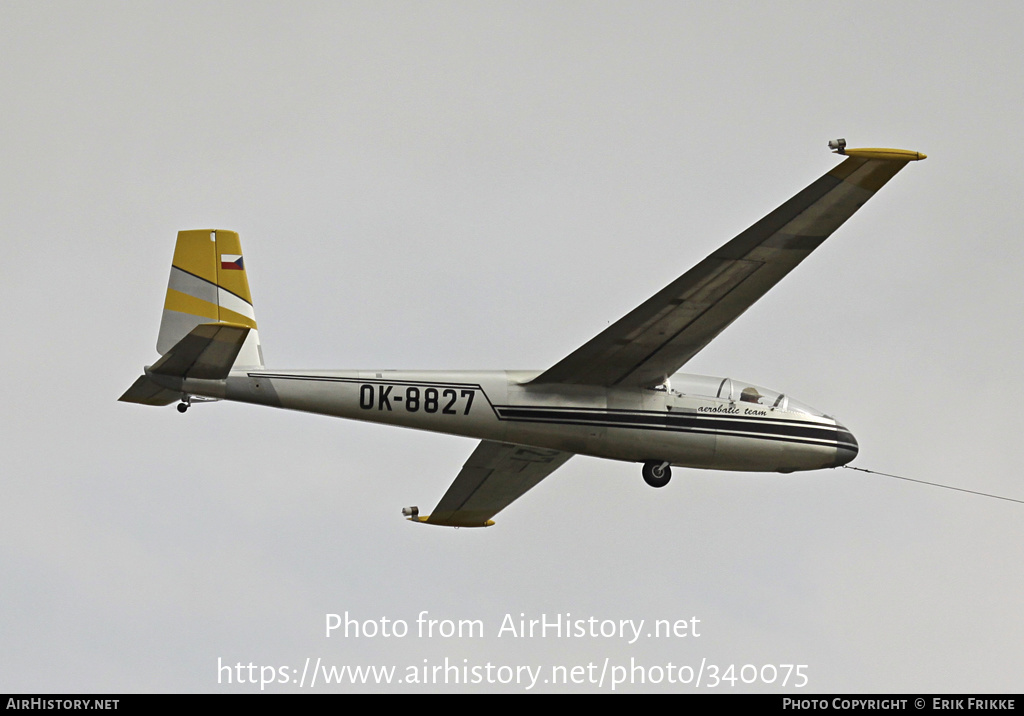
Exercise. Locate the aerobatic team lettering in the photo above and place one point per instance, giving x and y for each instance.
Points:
(446, 401)
(732, 410)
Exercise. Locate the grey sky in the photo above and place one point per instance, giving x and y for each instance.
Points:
(487, 185)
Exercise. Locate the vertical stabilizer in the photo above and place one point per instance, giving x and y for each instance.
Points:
(208, 284)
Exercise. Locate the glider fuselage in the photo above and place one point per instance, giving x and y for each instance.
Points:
(694, 421)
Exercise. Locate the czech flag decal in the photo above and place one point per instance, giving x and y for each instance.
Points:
(231, 262)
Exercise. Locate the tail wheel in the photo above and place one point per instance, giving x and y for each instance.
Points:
(657, 473)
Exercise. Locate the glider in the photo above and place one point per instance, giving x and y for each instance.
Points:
(618, 396)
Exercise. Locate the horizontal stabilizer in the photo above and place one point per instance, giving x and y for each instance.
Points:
(147, 392)
(207, 352)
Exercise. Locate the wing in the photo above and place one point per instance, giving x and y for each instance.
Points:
(658, 337)
(495, 475)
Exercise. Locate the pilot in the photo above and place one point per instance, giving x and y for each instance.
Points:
(750, 395)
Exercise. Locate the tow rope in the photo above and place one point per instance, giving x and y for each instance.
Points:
(934, 484)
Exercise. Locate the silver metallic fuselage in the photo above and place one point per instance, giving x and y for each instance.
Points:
(723, 430)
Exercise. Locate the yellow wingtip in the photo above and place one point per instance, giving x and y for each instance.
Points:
(425, 520)
(902, 155)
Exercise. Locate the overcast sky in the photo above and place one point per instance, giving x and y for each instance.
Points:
(488, 185)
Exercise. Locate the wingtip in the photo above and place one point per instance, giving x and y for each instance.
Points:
(425, 520)
(838, 146)
(899, 155)
(413, 515)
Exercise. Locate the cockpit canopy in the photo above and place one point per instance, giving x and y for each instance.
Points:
(705, 386)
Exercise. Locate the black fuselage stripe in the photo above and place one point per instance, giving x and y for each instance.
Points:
(681, 421)
(829, 442)
(789, 431)
(650, 414)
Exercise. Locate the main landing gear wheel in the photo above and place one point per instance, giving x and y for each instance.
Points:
(657, 473)
(182, 407)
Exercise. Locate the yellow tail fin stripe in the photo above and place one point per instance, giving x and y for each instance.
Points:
(183, 303)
